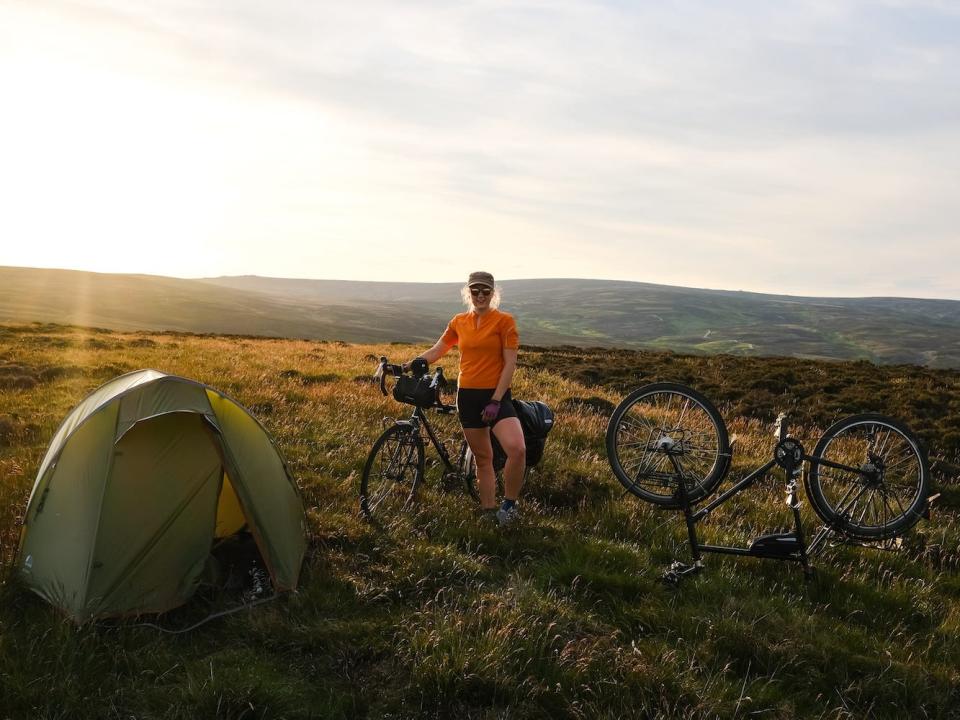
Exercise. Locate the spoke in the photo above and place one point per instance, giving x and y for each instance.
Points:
(873, 439)
(883, 444)
(626, 422)
(683, 412)
(888, 510)
(899, 463)
(641, 465)
(651, 460)
(395, 460)
(866, 506)
(853, 503)
(636, 443)
(909, 486)
(850, 489)
(903, 512)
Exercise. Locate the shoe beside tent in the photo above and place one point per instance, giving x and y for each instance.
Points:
(138, 481)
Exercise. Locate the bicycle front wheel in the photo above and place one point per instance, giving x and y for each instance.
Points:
(662, 432)
(869, 477)
(392, 472)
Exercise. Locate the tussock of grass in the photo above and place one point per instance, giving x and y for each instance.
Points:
(437, 614)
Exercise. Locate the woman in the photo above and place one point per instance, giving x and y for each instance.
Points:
(488, 342)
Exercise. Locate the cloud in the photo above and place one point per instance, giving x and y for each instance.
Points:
(700, 142)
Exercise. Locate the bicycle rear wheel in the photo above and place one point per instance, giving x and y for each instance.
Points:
(468, 466)
(659, 429)
(868, 477)
(392, 472)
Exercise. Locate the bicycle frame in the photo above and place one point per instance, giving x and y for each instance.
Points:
(789, 546)
(418, 418)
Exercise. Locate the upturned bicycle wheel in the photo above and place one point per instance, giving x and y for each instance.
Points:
(392, 472)
(664, 431)
(869, 477)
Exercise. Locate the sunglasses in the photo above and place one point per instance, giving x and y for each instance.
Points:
(477, 291)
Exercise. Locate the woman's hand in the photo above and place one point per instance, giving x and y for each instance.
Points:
(490, 412)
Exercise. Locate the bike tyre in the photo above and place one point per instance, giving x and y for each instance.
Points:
(907, 511)
(396, 457)
(469, 469)
(702, 482)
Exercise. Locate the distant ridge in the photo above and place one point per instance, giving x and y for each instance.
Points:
(600, 313)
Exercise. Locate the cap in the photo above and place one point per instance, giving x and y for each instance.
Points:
(481, 278)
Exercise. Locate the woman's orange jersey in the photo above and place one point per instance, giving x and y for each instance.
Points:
(481, 348)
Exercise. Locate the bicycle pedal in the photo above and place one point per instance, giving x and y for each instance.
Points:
(776, 545)
(679, 570)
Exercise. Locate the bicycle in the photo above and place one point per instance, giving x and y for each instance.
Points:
(867, 478)
(397, 461)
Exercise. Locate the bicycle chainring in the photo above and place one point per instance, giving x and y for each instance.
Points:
(788, 454)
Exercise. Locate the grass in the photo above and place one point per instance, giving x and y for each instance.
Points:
(436, 614)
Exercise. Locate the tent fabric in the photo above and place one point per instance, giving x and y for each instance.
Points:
(137, 482)
(93, 402)
(251, 452)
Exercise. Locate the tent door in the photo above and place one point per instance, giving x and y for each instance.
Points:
(230, 517)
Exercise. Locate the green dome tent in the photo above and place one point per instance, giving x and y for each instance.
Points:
(138, 480)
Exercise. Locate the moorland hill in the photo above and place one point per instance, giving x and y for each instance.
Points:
(584, 313)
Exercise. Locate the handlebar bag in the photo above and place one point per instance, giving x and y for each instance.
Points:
(415, 391)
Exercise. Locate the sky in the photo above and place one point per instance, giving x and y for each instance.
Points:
(805, 148)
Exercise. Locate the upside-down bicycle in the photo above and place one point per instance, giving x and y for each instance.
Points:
(867, 478)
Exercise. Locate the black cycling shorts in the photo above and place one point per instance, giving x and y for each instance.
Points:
(470, 404)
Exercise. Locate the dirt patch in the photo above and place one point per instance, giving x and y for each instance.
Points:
(14, 376)
(265, 408)
(14, 430)
(306, 379)
(8, 430)
(17, 382)
(590, 405)
(55, 372)
(50, 341)
(109, 371)
(320, 379)
(19, 376)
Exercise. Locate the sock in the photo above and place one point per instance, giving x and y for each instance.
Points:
(508, 504)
